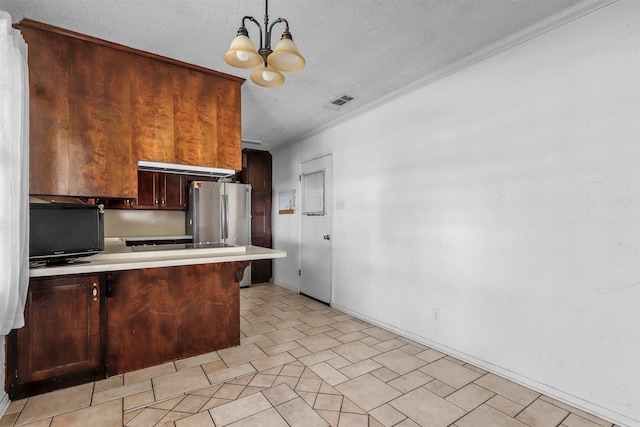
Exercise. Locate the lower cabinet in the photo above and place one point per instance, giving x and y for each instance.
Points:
(63, 341)
(157, 315)
(84, 328)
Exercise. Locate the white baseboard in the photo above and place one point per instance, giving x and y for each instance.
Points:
(4, 403)
(620, 420)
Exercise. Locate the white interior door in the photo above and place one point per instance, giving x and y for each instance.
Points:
(315, 235)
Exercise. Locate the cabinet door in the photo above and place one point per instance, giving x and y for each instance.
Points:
(63, 329)
(77, 147)
(148, 196)
(172, 191)
(256, 170)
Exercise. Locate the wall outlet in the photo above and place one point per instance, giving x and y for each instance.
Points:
(435, 314)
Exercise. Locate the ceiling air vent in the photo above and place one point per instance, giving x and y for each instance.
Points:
(340, 102)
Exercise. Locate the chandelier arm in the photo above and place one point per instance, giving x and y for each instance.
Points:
(252, 19)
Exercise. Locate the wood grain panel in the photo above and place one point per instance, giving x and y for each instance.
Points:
(151, 110)
(229, 129)
(163, 314)
(195, 113)
(48, 113)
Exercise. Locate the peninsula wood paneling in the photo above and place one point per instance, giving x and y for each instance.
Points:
(161, 314)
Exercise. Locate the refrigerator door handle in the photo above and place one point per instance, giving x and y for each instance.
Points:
(224, 223)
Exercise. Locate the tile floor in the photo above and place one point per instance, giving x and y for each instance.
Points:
(301, 363)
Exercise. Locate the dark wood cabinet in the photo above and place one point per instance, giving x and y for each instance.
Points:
(256, 170)
(63, 342)
(160, 191)
(158, 315)
(96, 108)
(156, 190)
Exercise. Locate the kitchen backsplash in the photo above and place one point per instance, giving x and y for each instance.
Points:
(134, 223)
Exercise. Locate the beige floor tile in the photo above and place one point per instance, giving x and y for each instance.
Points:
(227, 374)
(191, 403)
(280, 348)
(8, 420)
(399, 361)
(328, 373)
(298, 414)
(330, 417)
(279, 394)
(384, 374)
(16, 406)
(147, 373)
(339, 362)
(410, 381)
(229, 391)
(242, 354)
(379, 333)
(308, 384)
(353, 420)
(202, 359)
(148, 417)
(272, 361)
(578, 412)
(268, 418)
(257, 328)
(111, 382)
(387, 415)
(179, 382)
(368, 392)
(470, 397)
(389, 345)
(136, 400)
(285, 335)
(508, 389)
(354, 336)
(542, 414)
(574, 420)
(430, 355)
(356, 351)
(169, 419)
(313, 358)
(105, 415)
(263, 380)
(203, 419)
(328, 402)
(239, 409)
(55, 403)
(129, 415)
(361, 368)
(505, 405)
(318, 342)
(485, 415)
(428, 409)
(121, 392)
(349, 326)
(448, 372)
(439, 388)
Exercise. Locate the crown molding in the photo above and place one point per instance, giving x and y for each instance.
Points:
(559, 19)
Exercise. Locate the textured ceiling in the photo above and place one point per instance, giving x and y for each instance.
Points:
(367, 49)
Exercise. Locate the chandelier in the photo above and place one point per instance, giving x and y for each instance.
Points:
(270, 63)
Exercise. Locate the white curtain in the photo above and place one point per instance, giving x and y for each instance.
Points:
(14, 176)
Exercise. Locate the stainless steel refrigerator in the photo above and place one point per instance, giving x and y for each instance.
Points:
(220, 212)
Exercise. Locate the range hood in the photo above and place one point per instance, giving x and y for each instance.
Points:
(144, 165)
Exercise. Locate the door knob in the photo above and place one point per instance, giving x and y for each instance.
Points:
(326, 237)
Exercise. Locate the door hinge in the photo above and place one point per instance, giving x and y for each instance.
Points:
(16, 373)
(299, 272)
(299, 177)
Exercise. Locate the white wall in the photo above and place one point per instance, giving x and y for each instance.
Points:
(506, 195)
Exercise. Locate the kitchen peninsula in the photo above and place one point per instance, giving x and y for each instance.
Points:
(121, 310)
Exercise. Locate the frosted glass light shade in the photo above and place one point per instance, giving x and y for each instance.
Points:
(286, 57)
(242, 53)
(267, 77)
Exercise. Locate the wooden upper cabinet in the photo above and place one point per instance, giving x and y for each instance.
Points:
(96, 108)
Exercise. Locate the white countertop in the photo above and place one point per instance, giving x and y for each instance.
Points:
(117, 256)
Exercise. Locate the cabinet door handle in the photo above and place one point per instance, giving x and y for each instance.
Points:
(94, 291)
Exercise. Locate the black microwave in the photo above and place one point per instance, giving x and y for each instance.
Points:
(62, 232)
